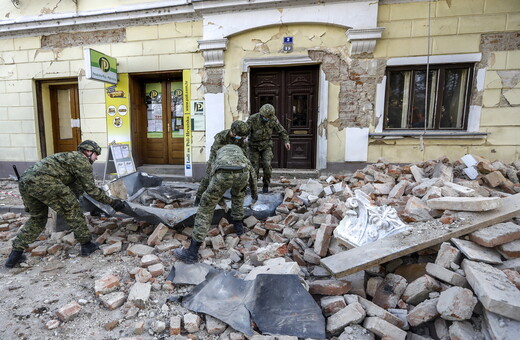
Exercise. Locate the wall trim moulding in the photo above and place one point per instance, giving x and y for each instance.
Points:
(363, 40)
(213, 51)
(275, 61)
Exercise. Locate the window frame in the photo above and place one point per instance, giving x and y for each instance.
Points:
(441, 69)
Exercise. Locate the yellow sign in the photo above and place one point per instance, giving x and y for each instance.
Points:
(117, 104)
(186, 84)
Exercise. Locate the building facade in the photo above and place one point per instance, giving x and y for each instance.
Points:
(352, 81)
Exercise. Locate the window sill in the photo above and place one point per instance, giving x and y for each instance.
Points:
(438, 134)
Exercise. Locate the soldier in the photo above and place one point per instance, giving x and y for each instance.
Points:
(235, 135)
(262, 125)
(56, 182)
(231, 169)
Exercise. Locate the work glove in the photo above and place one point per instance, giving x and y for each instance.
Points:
(118, 204)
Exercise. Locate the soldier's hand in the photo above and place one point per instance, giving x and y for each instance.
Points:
(288, 146)
(118, 204)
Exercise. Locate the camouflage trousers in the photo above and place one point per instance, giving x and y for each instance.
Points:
(204, 182)
(219, 183)
(40, 194)
(262, 157)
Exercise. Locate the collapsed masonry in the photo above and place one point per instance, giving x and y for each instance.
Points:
(460, 287)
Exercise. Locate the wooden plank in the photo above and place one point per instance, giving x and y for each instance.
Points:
(421, 237)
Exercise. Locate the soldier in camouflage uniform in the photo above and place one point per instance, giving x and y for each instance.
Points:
(57, 181)
(231, 170)
(263, 124)
(235, 135)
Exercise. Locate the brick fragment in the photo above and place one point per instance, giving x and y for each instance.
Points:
(157, 235)
(418, 291)
(106, 284)
(175, 325)
(192, 322)
(68, 311)
(496, 235)
(389, 291)
(351, 314)
(329, 287)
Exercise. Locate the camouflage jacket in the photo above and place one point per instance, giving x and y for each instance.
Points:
(223, 138)
(231, 157)
(70, 168)
(261, 132)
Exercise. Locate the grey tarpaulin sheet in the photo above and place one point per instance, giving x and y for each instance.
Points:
(264, 207)
(137, 180)
(179, 217)
(278, 304)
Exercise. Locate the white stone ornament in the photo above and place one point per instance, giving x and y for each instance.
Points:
(365, 222)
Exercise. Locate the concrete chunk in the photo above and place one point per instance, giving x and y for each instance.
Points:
(419, 290)
(139, 294)
(446, 255)
(382, 328)
(496, 235)
(445, 275)
(510, 250)
(476, 252)
(456, 303)
(465, 203)
(501, 327)
(423, 312)
(374, 310)
(352, 314)
(464, 330)
(493, 289)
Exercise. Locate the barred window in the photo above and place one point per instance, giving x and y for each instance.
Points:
(445, 100)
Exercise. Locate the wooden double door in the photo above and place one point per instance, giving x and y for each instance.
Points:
(293, 91)
(157, 119)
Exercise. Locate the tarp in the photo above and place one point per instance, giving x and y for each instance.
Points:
(278, 304)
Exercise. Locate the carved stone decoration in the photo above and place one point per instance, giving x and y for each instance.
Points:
(363, 40)
(365, 222)
(213, 51)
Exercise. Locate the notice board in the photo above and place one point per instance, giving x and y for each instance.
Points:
(119, 160)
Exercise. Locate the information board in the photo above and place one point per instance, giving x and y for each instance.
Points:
(119, 160)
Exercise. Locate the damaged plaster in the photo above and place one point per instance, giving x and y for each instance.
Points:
(63, 40)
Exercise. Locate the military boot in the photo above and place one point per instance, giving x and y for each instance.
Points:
(190, 255)
(239, 227)
(14, 258)
(88, 248)
(265, 188)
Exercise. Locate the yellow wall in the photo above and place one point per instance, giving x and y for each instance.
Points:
(174, 47)
(456, 29)
(267, 42)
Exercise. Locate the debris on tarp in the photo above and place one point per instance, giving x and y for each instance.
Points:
(278, 304)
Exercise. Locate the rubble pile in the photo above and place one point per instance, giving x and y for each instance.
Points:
(467, 288)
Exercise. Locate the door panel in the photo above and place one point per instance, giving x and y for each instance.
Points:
(162, 135)
(65, 117)
(293, 93)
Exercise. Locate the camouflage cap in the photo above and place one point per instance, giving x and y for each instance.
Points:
(240, 128)
(89, 145)
(267, 110)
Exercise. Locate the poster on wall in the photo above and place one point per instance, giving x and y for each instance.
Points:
(117, 111)
(198, 116)
(186, 85)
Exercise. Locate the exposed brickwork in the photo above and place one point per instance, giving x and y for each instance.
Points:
(62, 40)
(213, 79)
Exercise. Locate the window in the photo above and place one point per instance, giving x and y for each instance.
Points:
(445, 100)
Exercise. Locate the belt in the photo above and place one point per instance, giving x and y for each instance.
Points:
(230, 170)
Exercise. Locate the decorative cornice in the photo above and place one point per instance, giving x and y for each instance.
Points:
(363, 40)
(213, 51)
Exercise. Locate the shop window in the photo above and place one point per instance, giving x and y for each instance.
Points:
(442, 105)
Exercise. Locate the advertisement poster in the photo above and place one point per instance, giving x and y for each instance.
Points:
(198, 116)
(186, 84)
(117, 109)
